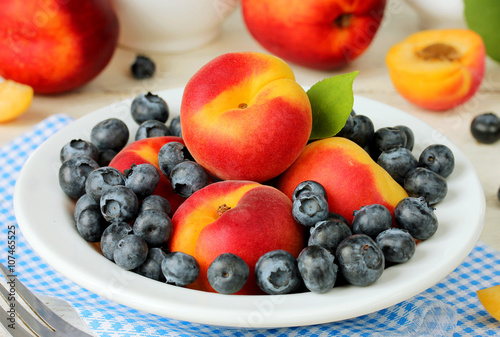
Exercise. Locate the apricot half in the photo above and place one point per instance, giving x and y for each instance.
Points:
(438, 69)
(15, 99)
(490, 298)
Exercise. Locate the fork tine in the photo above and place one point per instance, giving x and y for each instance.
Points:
(61, 327)
(19, 331)
(34, 325)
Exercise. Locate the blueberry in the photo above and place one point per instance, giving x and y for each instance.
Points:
(175, 126)
(410, 137)
(82, 203)
(309, 208)
(309, 186)
(228, 273)
(485, 128)
(439, 159)
(422, 182)
(101, 179)
(105, 157)
(156, 202)
(387, 138)
(336, 216)
(119, 203)
(111, 133)
(317, 268)
(153, 226)
(362, 130)
(151, 268)
(78, 147)
(171, 154)
(188, 177)
(180, 269)
(371, 220)
(397, 162)
(329, 234)
(151, 129)
(397, 245)
(347, 129)
(130, 252)
(73, 174)
(112, 235)
(143, 67)
(90, 223)
(277, 272)
(149, 107)
(142, 179)
(417, 217)
(360, 260)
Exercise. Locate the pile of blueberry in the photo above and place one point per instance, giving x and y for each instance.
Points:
(133, 225)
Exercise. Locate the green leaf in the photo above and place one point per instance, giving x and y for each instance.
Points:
(331, 101)
(483, 17)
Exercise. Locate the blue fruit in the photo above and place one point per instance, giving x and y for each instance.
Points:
(317, 268)
(78, 148)
(82, 203)
(156, 202)
(188, 177)
(151, 268)
(347, 129)
(362, 130)
(360, 260)
(90, 223)
(130, 252)
(485, 128)
(371, 220)
(329, 234)
(111, 133)
(170, 155)
(397, 245)
(101, 179)
(397, 162)
(112, 235)
(143, 67)
(180, 269)
(422, 182)
(277, 272)
(155, 227)
(228, 273)
(73, 174)
(175, 126)
(309, 208)
(119, 203)
(417, 217)
(336, 216)
(386, 138)
(439, 159)
(142, 179)
(105, 157)
(152, 128)
(149, 107)
(410, 137)
(309, 186)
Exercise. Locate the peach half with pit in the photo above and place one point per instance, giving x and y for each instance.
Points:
(244, 117)
(244, 218)
(438, 69)
(347, 172)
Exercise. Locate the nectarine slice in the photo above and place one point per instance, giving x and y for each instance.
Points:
(438, 69)
(15, 99)
(490, 298)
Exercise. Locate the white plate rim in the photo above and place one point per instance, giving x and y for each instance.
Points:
(79, 262)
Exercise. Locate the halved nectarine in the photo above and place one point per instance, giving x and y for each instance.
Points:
(490, 298)
(438, 69)
(15, 99)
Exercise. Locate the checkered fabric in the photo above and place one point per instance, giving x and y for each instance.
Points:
(450, 308)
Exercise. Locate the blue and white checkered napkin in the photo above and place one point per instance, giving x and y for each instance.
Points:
(450, 308)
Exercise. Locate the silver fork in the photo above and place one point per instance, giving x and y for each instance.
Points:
(54, 325)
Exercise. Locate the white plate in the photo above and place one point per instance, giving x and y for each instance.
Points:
(45, 216)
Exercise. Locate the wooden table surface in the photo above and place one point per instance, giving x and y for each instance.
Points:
(173, 70)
